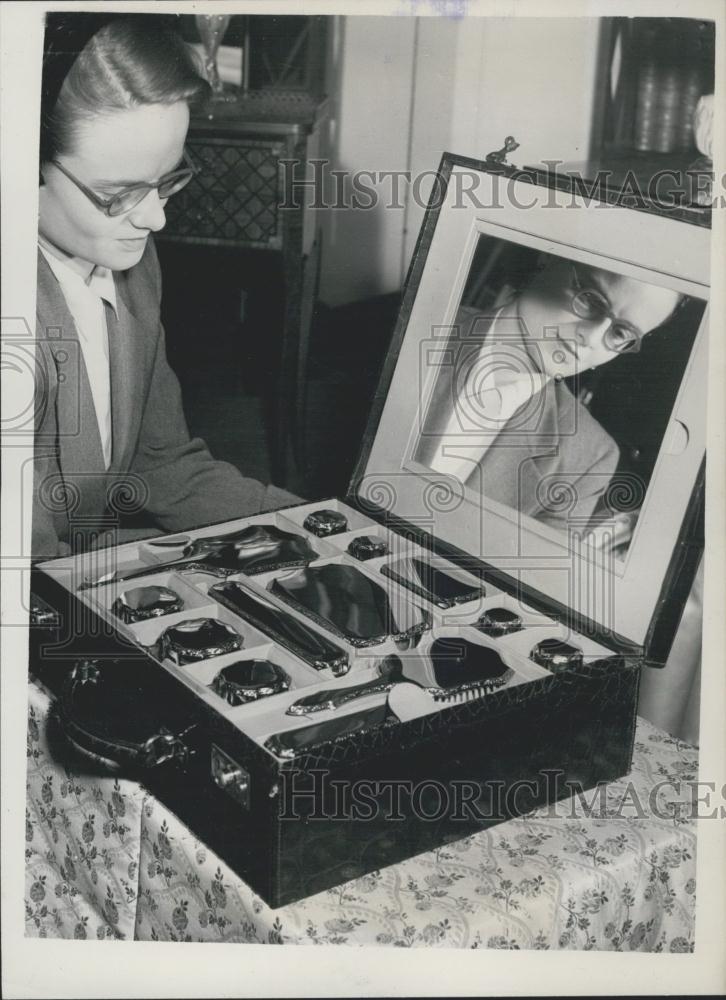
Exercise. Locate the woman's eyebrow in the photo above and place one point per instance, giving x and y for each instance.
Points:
(115, 183)
(595, 283)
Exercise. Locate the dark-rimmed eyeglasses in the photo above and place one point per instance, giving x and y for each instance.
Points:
(590, 304)
(132, 196)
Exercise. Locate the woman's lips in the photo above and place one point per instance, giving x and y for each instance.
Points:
(135, 243)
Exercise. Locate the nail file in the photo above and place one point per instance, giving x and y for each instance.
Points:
(444, 589)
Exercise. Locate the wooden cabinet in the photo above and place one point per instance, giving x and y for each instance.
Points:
(253, 155)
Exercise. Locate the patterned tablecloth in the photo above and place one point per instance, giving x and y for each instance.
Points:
(613, 871)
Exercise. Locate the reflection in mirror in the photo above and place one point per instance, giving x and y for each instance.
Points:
(553, 388)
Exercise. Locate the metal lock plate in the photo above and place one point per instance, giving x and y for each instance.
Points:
(230, 777)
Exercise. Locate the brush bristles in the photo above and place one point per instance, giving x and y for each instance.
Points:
(476, 691)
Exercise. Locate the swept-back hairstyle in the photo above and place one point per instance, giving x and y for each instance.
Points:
(97, 63)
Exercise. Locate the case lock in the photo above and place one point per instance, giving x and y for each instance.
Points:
(230, 777)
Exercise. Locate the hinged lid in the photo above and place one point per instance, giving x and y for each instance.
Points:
(541, 412)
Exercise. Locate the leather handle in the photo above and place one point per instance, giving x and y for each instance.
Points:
(83, 729)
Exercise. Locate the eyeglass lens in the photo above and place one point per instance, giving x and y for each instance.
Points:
(127, 200)
(590, 304)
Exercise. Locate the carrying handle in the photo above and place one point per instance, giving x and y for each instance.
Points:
(162, 746)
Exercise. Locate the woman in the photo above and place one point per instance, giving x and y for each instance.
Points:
(111, 437)
(502, 418)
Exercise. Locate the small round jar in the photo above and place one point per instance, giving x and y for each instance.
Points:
(249, 680)
(367, 547)
(325, 522)
(497, 622)
(141, 603)
(197, 639)
(556, 655)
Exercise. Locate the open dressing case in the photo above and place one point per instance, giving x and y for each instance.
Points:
(469, 623)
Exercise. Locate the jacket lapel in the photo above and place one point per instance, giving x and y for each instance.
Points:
(520, 458)
(129, 339)
(79, 442)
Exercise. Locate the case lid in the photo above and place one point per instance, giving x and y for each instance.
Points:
(541, 412)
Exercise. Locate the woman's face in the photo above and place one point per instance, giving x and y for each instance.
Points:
(112, 151)
(569, 344)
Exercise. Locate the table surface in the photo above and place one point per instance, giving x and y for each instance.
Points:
(612, 871)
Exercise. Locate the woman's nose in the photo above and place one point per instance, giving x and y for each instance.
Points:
(149, 213)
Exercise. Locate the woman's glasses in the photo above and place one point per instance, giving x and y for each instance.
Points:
(590, 304)
(132, 196)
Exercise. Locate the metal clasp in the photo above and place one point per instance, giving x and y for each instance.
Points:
(85, 671)
(166, 746)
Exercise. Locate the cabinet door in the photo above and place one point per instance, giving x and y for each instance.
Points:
(234, 200)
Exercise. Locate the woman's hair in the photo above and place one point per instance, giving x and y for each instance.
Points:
(126, 62)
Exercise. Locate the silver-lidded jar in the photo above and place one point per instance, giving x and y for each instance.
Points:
(496, 622)
(197, 639)
(556, 655)
(249, 680)
(141, 603)
(325, 522)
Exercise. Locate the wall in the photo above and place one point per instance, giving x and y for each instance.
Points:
(410, 88)
(363, 248)
(532, 78)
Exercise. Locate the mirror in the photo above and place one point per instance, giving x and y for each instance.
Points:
(551, 392)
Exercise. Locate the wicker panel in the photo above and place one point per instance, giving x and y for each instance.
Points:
(234, 200)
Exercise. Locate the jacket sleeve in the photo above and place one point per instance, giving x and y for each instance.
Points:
(45, 543)
(586, 485)
(185, 486)
(48, 491)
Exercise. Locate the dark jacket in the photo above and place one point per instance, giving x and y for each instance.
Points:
(155, 465)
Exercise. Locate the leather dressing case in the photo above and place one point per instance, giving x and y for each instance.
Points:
(518, 541)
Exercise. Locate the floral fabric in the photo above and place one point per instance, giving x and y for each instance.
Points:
(611, 870)
(82, 839)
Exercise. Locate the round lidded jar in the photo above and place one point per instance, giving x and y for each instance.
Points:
(141, 603)
(499, 621)
(325, 522)
(249, 680)
(556, 655)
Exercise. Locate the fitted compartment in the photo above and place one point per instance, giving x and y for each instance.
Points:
(301, 677)
(415, 673)
(524, 642)
(272, 718)
(398, 592)
(73, 572)
(146, 633)
(401, 619)
(327, 653)
(392, 541)
(267, 716)
(105, 595)
(355, 520)
(440, 584)
(253, 553)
